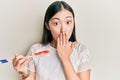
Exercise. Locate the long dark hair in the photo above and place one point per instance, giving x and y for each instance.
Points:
(51, 11)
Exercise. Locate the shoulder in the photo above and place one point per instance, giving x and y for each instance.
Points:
(83, 53)
(34, 47)
(81, 48)
(80, 57)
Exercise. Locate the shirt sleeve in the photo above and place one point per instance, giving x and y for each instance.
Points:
(31, 64)
(84, 59)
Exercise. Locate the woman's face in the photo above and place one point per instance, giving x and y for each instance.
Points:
(61, 22)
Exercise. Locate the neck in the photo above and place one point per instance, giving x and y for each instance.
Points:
(53, 43)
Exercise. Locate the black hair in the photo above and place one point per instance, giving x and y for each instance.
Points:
(50, 12)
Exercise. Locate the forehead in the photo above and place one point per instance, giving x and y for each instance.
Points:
(63, 14)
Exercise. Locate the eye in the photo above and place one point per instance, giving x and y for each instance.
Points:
(68, 22)
(55, 23)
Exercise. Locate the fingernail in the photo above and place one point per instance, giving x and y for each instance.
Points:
(16, 55)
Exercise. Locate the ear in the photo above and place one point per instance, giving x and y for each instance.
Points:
(47, 26)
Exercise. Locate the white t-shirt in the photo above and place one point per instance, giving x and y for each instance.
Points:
(49, 67)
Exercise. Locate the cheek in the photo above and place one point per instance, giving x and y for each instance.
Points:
(69, 31)
(69, 34)
(55, 34)
(69, 28)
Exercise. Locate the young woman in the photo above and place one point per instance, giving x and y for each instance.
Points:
(68, 59)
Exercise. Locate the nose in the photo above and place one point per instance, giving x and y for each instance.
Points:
(63, 29)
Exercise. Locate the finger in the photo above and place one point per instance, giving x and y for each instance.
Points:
(25, 63)
(22, 63)
(64, 40)
(24, 59)
(13, 61)
(19, 62)
(16, 58)
(60, 39)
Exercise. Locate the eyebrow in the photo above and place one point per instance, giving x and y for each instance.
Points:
(69, 17)
(59, 18)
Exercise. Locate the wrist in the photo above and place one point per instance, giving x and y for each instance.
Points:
(24, 72)
(24, 75)
(66, 60)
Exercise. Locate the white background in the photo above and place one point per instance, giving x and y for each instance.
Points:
(97, 26)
